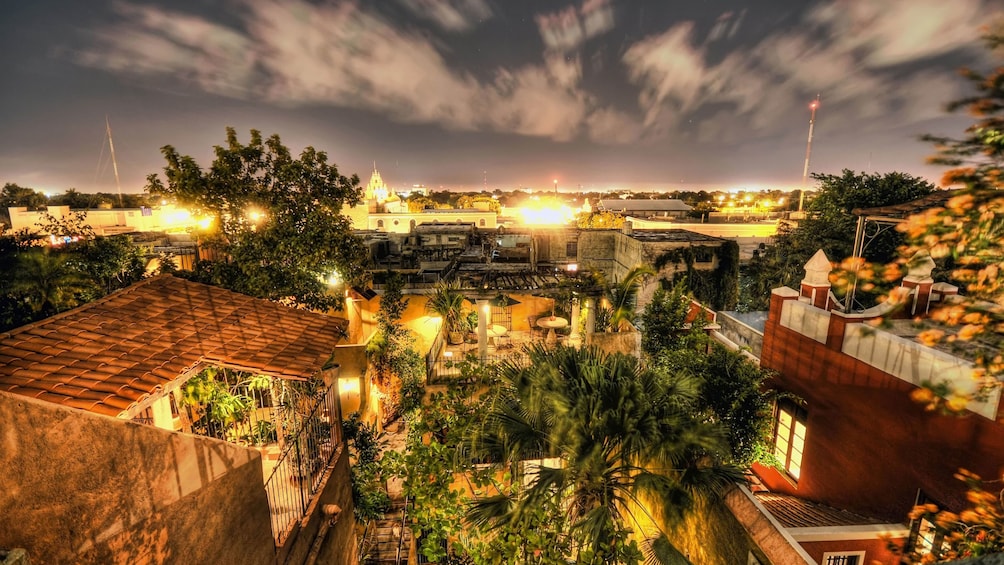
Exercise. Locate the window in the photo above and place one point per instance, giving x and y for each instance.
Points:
(571, 249)
(482, 222)
(789, 436)
(379, 224)
(924, 538)
(844, 558)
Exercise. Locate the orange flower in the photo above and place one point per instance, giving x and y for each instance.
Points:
(930, 337)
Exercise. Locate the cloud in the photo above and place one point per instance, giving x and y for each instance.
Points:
(568, 29)
(451, 15)
(847, 50)
(296, 52)
(302, 52)
(669, 70)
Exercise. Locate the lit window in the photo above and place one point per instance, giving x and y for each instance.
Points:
(789, 437)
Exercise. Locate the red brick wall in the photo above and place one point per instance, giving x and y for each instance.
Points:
(868, 446)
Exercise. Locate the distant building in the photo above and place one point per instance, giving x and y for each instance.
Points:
(668, 208)
(167, 219)
(384, 211)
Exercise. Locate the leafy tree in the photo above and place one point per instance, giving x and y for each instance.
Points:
(626, 440)
(830, 226)
(278, 220)
(599, 220)
(479, 200)
(731, 387)
(664, 319)
(112, 262)
(13, 195)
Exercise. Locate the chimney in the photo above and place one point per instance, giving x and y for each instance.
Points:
(815, 287)
(918, 279)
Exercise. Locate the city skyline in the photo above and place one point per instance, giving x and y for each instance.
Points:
(598, 93)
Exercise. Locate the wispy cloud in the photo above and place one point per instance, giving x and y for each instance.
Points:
(451, 15)
(296, 52)
(848, 51)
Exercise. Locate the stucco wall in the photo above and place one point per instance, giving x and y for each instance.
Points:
(711, 535)
(84, 488)
(869, 447)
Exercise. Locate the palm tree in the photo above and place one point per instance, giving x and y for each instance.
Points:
(616, 447)
(448, 302)
(623, 298)
(48, 282)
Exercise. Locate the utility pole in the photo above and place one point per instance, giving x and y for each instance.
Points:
(808, 152)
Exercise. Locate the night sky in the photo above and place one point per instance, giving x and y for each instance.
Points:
(599, 93)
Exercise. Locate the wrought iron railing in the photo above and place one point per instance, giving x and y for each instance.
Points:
(311, 444)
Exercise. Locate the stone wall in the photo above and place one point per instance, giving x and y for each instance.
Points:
(84, 488)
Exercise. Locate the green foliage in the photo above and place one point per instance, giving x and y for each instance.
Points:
(447, 302)
(13, 195)
(731, 387)
(719, 287)
(664, 318)
(278, 218)
(430, 467)
(830, 226)
(47, 282)
(398, 369)
(621, 432)
(112, 262)
(366, 447)
(599, 220)
(623, 298)
(215, 404)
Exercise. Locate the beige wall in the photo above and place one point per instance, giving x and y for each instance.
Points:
(84, 488)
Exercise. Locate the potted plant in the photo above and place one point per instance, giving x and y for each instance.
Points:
(447, 302)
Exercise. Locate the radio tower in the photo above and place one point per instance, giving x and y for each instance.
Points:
(808, 152)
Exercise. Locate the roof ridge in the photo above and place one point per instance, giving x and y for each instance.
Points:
(87, 306)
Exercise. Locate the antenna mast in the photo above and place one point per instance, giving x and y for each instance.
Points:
(115, 165)
(808, 152)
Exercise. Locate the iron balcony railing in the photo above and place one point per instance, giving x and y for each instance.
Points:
(309, 448)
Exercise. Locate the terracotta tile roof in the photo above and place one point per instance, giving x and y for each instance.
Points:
(794, 512)
(111, 353)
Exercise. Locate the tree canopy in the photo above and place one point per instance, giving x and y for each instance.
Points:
(277, 220)
(829, 225)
